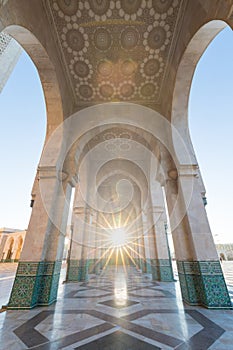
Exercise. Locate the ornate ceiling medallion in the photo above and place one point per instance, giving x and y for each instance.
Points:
(116, 50)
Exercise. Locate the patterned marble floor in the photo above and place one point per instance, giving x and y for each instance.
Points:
(116, 311)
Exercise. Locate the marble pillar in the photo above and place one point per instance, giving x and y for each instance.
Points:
(38, 272)
(162, 261)
(200, 273)
(77, 269)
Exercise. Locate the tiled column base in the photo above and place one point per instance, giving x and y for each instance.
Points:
(97, 267)
(148, 266)
(83, 270)
(72, 270)
(49, 282)
(91, 266)
(138, 262)
(203, 283)
(35, 284)
(77, 270)
(143, 265)
(161, 270)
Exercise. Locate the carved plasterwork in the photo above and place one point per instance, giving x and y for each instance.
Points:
(116, 50)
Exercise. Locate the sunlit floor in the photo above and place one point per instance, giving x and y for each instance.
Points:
(115, 311)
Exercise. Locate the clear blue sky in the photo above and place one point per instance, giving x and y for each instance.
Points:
(23, 123)
(211, 125)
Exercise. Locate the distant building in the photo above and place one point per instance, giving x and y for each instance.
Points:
(11, 244)
(225, 251)
(10, 51)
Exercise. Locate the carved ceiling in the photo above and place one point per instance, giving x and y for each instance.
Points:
(117, 140)
(116, 50)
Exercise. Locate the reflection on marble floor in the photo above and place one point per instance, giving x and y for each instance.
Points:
(115, 311)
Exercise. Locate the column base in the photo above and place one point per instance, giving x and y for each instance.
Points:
(143, 266)
(91, 265)
(35, 284)
(83, 270)
(77, 270)
(203, 283)
(148, 266)
(72, 270)
(161, 270)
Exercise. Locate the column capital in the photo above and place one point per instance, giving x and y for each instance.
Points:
(188, 170)
(79, 210)
(51, 172)
(157, 209)
(47, 172)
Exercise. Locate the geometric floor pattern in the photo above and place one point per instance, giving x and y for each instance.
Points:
(117, 311)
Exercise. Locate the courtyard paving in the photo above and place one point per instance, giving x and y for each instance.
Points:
(115, 311)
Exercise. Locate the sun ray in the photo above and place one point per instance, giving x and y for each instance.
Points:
(109, 257)
(133, 250)
(123, 261)
(102, 256)
(105, 219)
(131, 258)
(128, 217)
(117, 252)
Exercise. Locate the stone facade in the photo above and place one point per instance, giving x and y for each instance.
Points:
(11, 244)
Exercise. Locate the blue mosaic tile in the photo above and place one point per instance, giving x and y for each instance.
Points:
(203, 283)
(36, 283)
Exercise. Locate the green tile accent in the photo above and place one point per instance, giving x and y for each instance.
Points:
(83, 270)
(161, 270)
(143, 265)
(72, 271)
(91, 266)
(77, 270)
(203, 283)
(26, 286)
(154, 270)
(35, 284)
(49, 282)
(148, 266)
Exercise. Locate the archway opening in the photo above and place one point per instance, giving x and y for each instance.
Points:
(211, 126)
(23, 121)
(31, 109)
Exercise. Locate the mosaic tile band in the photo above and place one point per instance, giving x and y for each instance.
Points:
(77, 270)
(161, 270)
(203, 283)
(36, 284)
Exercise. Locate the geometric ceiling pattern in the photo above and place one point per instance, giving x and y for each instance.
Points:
(115, 50)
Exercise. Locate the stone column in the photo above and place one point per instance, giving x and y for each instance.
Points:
(137, 234)
(38, 272)
(97, 245)
(142, 251)
(149, 242)
(200, 274)
(91, 232)
(163, 261)
(77, 269)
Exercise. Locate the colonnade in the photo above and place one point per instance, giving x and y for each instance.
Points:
(122, 206)
(11, 244)
(143, 243)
